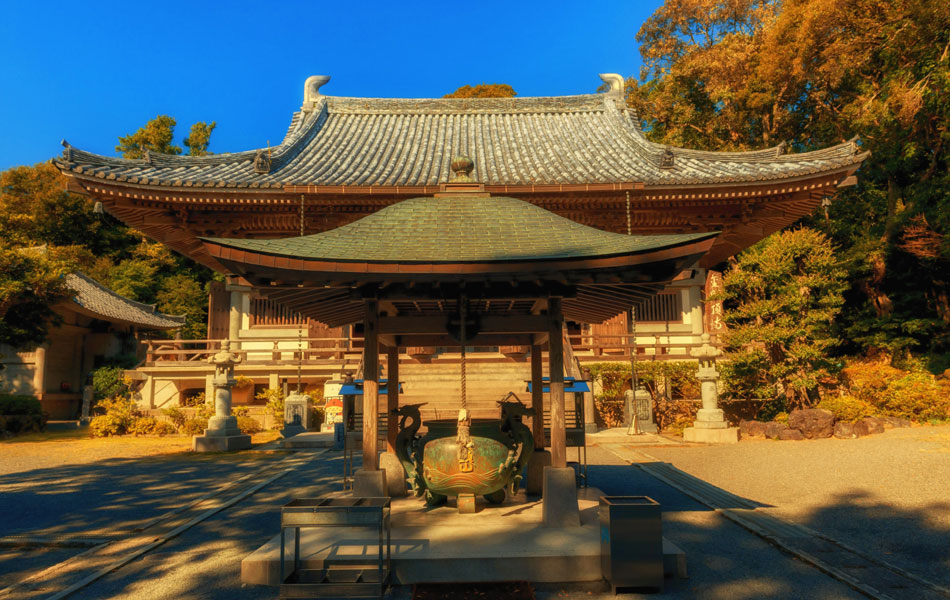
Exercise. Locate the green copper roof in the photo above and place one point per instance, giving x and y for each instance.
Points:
(460, 229)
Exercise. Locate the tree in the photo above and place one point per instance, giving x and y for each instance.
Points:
(781, 299)
(155, 136)
(754, 73)
(181, 294)
(484, 90)
(31, 282)
(199, 138)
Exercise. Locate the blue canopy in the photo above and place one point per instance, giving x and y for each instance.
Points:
(570, 385)
(356, 388)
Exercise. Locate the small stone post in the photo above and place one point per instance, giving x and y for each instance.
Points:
(710, 425)
(222, 433)
(87, 393)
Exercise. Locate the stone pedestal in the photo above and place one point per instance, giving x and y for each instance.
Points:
(296, 415)
(559, 498)
(641, 405)
(537, 462)
(395, 475)
(369, 483)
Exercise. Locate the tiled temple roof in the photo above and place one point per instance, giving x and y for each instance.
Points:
(588, 139)
(103, 303)
(460, 229)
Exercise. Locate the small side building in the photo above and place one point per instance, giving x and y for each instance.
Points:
(98, 325)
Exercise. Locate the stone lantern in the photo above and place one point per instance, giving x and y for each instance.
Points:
(710, 425)
(222, 433)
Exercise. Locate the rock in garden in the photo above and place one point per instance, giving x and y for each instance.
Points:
(845, 430)
(814, 423)
(868, 426)
(790, 434)
(751, 429)
(891, 422)
(773, 429)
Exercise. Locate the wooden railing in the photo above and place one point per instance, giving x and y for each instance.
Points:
(310, 350)
(618, 347)
(582, 348)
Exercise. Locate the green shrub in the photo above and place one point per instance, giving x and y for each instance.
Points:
(274, 397)
(240, 411)
(163, 428)
(317, 416)
(195, 426)
(847, 408)
(117, 416)
(20, 404)
(916, 394)
(194, 400)
(109, 382)
(249, 425)
(176, 416)
(107, 425)
(142, 425)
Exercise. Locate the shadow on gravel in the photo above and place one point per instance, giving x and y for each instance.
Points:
(113, 496)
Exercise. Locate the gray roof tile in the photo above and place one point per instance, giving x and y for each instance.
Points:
(110, 306)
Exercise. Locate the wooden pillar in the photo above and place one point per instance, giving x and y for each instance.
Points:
(235, 316)
(39, 371)
(370, 385)
(537, 397)
(392, 397)
(556, 374)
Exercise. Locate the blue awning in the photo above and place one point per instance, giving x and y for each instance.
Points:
(356, 388)
(570, 385)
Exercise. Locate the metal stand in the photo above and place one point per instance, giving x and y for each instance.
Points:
(348, 580)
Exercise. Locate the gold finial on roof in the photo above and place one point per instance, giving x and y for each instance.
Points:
(462, 167)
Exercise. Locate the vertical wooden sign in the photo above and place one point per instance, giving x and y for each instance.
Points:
(715, 323)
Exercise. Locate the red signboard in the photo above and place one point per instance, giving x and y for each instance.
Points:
(713, 318)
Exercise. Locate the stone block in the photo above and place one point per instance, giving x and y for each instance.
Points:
(222, 427)
(559, 498)
(752, 429)
(220, 443)
(868, 426)
(791, 434)
(729, 435)
(773, 429)
(369, 484)
(534, 482)
(466, 504)
(814, 423)
(845, 430)
(395, 475)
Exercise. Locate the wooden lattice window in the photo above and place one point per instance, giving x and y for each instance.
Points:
(666, 307)
(267, 313)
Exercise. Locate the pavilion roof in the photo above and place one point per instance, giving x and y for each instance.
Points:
(387, 142)
(463, 228)
(96, 300)
(420, 254)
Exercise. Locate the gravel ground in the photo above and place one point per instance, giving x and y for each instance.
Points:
(114, 494)
(884, 494)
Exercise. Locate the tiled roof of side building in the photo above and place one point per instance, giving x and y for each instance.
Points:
(99, 301)
(334, 141)
(460, 229)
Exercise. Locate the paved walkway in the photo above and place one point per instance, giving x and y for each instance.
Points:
(195, 552)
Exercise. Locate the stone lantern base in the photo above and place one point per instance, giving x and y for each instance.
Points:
(726, 435)
(222, 435)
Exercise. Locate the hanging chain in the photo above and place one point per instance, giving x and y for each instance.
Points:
(466, 458)
(300, 356)
(301, 214)
(629, 225)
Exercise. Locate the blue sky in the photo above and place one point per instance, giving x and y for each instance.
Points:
(91, 71)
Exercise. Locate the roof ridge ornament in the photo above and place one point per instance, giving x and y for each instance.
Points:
(616, 83)
(262, 162)
(311, 90)
(67, 151)
(667, 159)
(782, 148)
(462, 167)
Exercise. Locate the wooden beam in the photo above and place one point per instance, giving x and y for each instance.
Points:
(392, 397)
(370, 384)
(556, 375)
(438, 324)
(537, 397)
